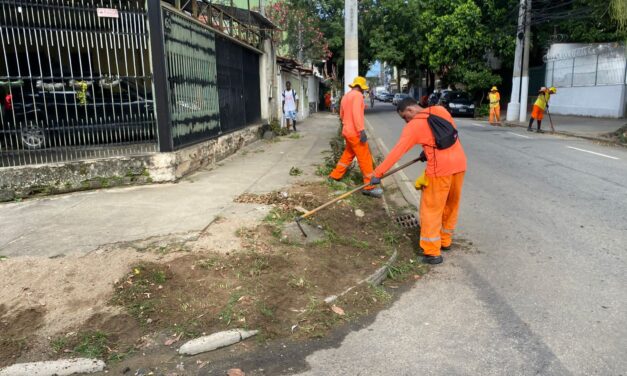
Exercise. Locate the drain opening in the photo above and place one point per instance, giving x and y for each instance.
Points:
(407, 221)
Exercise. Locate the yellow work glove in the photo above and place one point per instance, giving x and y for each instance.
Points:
(422, 181)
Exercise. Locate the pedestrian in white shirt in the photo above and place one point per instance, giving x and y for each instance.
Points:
(290, 105)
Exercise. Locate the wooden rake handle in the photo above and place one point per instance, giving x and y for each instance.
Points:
(344, 195)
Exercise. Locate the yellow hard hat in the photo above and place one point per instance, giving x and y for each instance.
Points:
(553, 90)
(494, 88)
(361, 82)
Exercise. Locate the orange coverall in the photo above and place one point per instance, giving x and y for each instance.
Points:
(352, 116)
(439, 201)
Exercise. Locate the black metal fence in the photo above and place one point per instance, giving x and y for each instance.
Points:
(238, 85)
(75, 80)
(192, 79)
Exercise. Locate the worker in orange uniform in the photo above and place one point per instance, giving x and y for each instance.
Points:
(352, 116)
(439, 201)
(495, 106)
(541, 105)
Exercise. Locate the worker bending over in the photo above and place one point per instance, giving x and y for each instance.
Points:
(495, 106)
(352, 116)
(439, 201)
(541, 105)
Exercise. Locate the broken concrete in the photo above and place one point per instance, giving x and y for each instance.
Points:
(54, 368)
(215, 341)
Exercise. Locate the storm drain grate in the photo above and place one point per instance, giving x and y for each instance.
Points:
(407, 221)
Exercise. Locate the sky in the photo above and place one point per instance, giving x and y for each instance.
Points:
(375, 69)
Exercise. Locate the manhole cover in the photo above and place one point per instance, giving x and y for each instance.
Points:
(407, 221)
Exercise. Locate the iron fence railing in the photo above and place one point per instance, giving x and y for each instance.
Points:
(98, 78)
(75, 80)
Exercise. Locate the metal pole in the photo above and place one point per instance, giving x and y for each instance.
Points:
(351, 43)
(160, 74)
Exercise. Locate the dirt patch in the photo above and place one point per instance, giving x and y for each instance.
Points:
(149, 299)
(17, 331)
(273, 285)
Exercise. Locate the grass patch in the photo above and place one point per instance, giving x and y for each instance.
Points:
(92, 344)
(401, 270)
(324, 170)
(294, 136)
(295, 171)
(279, 217)
(228, 312)
(138, 292)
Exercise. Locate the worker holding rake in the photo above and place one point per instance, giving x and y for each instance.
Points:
(446, 166)
(352, 116)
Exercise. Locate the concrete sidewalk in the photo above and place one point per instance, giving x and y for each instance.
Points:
(578, 126)
(82, 222)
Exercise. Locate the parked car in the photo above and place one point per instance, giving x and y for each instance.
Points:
(399, 97)
(381, 95)
(458, 103)
(56, 112)
(388, 97)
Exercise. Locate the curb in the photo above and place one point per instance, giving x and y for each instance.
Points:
(375, 278)
(570, 134)
(54, 368)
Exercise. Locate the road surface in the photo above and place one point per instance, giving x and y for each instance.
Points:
(544, 292)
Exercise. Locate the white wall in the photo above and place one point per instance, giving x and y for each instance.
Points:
(596, 101)
(312, 92)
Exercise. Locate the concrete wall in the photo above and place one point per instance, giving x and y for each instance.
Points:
(38, 180)
(313, 86)
(596, 101)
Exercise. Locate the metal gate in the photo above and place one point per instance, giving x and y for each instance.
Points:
(238, 85)
(192, 79)
(75, 80)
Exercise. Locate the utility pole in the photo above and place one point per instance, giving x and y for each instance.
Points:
(300, 42)
(524, 92)
(351, 43)
(513, 108)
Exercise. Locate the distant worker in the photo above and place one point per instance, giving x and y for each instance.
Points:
(446, 166)
(290, 106)
(371, 95)
(352, 117)
(327, 100)
(541, 105)
(495, 106)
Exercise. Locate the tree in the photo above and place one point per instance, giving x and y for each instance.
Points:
(618, 10)
(300, 35)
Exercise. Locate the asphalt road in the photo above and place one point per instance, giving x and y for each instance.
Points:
(544, 290)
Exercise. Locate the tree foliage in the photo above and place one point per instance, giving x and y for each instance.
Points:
(300, 32)
(619, 13)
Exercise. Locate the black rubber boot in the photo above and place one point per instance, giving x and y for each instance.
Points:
(432, 260)
(530, 125)
(539, 126)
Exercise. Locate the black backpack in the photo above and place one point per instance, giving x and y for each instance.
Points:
(444, 132)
